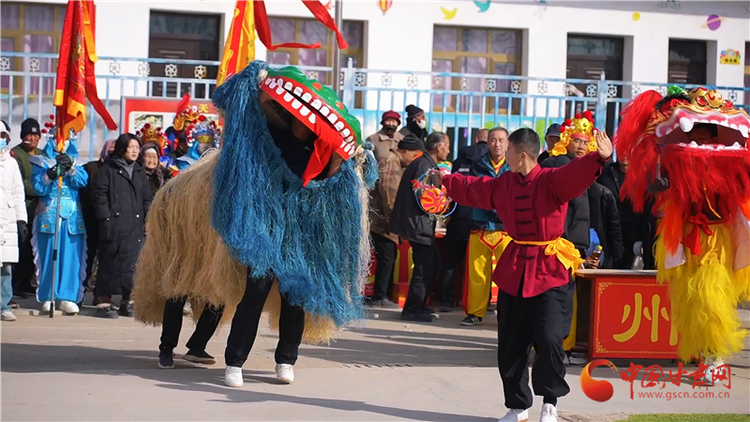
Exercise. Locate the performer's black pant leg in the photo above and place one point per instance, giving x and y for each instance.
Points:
(552, 315)
(514, 337)
(385, 253)
(245, 321)
(291, 327)
(171, 324)
(205, 328)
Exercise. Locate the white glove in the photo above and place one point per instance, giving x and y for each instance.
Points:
(638, 248)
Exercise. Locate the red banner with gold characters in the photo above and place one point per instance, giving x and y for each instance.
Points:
(76, 79)
(633, 319)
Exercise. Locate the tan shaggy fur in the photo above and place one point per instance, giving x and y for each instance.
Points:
(184, 256)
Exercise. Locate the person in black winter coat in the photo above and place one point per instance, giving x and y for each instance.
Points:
(638, 227)
(89, 215)
(121, 197)
(416, 122)
(605, 220)
(460, 224)
(156, 173)
(410, 222)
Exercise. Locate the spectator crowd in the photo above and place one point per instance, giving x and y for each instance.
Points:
(103, 204)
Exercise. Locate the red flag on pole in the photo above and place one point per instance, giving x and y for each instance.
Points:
(239, 49)
(76, 78)
(318, 10)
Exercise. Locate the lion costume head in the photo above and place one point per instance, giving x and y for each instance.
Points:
(700, 141)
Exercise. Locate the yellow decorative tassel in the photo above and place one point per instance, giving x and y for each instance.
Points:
(705, 292)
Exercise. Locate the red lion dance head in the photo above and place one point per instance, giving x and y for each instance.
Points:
(700, 141)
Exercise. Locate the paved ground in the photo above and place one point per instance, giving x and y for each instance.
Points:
(84, 368)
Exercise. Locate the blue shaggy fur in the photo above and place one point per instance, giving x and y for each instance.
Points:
(307, 237)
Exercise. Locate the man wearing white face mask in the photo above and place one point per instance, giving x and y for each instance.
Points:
(12, 220)
(416, 122)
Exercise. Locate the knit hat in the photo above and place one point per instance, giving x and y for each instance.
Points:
(413, 111)
(553, 130)
(391, 115)
(30, 126)
(411, 142)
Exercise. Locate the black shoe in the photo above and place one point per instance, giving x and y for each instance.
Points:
(20, 294)
(199, 356)
(126, 310)
(166, 359)
(13, 305)
(426, 310)
(416, 316)
(109, 312)
(383, 303)
(471, 320)
(446, 308)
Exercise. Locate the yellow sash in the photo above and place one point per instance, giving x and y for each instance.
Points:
(561, 248)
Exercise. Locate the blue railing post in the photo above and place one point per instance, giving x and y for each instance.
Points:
(348, 91)
(601, 103)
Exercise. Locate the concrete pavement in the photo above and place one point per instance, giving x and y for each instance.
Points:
(84, 368)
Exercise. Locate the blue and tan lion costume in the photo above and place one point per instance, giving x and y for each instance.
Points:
(703, 244)
(242, 209)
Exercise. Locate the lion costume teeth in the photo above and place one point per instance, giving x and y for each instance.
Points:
(702, 248)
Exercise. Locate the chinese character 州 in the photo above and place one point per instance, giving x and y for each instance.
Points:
(651, 314)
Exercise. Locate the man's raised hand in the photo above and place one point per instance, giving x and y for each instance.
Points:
(603, 144)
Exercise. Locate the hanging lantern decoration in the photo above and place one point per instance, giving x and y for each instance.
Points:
(385, 5)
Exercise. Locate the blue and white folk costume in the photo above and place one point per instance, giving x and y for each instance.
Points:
(202, 136)
(71, 262)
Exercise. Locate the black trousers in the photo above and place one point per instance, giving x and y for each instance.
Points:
(172, 325)
(92, 245)
(454, 272)
(385, 253)
(246, 320)
(24, 270)
(543, 321)
(427, 262)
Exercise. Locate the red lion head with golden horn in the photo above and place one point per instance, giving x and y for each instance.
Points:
(700, 141)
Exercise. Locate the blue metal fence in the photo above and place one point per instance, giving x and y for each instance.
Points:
(454, 103)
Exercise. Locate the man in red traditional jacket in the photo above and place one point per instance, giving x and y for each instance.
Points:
(534, 274)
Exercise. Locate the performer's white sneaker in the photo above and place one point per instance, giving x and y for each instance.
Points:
(285, 373)
(46, 307)
(233, 377)
(515, 415)
(549, 413)
(69, 308)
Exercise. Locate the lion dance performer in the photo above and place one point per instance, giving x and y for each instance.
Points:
(696, 144)
(276, 218)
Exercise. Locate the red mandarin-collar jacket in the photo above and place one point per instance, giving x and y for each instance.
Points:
(532, 208)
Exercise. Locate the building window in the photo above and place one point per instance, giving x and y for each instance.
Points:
(310, 31)
(687, 62)
(588, 58)
(477, 51)
(185, 36)
(747, 75)
(31, 28)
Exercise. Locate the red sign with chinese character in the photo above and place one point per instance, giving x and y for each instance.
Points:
(632, 319)
(159, 112)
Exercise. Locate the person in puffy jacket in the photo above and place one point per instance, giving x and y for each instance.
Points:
(121, 197)
(12, 221)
